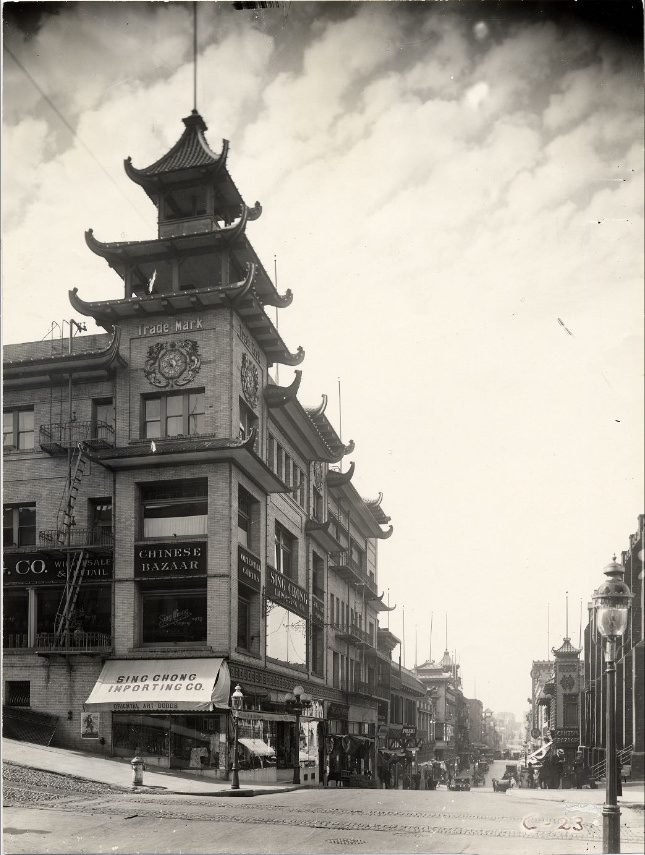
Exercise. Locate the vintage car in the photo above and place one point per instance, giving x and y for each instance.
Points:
(460, 784)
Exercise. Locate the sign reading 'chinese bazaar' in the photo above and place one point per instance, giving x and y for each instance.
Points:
(567, 736)
(286, 593)
(155, 560)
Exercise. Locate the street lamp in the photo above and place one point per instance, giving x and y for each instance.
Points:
(237, 699)
(611, 604)
(298, 700)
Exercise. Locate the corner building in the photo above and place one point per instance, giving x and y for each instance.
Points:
(176, 523)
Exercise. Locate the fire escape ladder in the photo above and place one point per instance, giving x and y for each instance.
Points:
(65, 517)
(66, 607)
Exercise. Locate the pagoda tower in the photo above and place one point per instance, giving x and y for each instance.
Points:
(201, 258)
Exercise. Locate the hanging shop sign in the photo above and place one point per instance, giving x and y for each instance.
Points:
(38, 568)
(317, 611)
(249, 569)
(286, 593)
(408, 732)
(157, 560)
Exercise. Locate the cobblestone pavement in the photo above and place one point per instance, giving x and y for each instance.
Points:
(47, 812)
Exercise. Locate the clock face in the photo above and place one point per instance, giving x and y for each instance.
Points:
(172, 364)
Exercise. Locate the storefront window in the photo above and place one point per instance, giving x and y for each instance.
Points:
(190, 741)
(286, 635)
(174, 615)
(92, 612)
(15, 618)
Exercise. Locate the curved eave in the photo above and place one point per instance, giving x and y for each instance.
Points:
(278, 396)
(320, 532)
(178, 452)
(383, 535)
(337, 479)
(93, 364)
(160, 249)
(376, 602)
(191, 151)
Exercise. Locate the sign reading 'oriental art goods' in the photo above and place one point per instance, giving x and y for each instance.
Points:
(249, 569)
(282, 590)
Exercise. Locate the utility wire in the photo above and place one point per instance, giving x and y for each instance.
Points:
(55, 109)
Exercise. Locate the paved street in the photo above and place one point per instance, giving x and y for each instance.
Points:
(46, 813)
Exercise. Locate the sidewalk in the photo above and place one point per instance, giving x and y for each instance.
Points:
(633, 795)
(118, 772)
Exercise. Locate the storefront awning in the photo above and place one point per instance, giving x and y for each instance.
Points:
(161, 685)
(257, 747)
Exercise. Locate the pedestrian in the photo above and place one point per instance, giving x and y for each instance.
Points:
(578, 769)
(531, 777)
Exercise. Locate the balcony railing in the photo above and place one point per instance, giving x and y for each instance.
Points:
(57, 437)
(77, 538)
(347, 566)
(77, 642)
(354, 634)
(14, 640)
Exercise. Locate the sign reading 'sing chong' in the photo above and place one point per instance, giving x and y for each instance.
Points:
(156, 683)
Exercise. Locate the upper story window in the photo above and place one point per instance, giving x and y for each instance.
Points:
(18, 429)
(175, 508)
(103, 418)
(19, 525)
(248, 520)
(317, 576)
(175, 414)
(101, 516)
(248, 421)
(284, 551)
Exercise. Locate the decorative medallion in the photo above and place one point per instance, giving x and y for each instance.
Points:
(172, 364)
(250, 380)
(318, 475)
(567, 682)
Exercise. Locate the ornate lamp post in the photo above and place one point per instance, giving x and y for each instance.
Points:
(611, 604)
(298, 700)
(237, 699)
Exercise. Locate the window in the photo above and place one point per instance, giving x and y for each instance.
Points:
(174, 615)
(243, 622)
(286, 635)
(318, 509)
(336, 670)
(570, 708)
(18, 429)
(103, 419)
(18, 693)
(19, 525)
(248, 519)
(101, 517)
(318, 650)
(284, 552)
(299, 485)
(175, 509)
(318, 576)
(92, 610)
(178, 414)
(15, 618)
(248, 420)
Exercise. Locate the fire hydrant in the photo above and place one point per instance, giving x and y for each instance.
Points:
(137, 770)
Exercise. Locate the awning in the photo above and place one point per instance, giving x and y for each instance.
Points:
(540, 755)
(161, 685)
(257, 747)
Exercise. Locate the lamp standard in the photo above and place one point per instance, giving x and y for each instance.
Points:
(611, 605)
(237, 699)
(298, 700)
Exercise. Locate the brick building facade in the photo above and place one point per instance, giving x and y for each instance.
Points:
(176, 522)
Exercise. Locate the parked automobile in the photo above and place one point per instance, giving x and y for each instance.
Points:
(460, 784)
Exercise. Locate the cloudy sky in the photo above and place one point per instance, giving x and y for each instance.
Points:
(454, 193)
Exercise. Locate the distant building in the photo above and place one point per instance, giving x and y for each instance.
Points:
(630, 672)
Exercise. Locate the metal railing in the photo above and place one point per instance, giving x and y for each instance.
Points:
(600, 769)
(79, 538)
(14, 640)
(78, 641)
(69, 434)
(344, 559)
(354, 632)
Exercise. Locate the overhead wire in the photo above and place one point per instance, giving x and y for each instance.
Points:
(73, 132)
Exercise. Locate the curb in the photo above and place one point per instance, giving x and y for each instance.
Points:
(235, 794)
